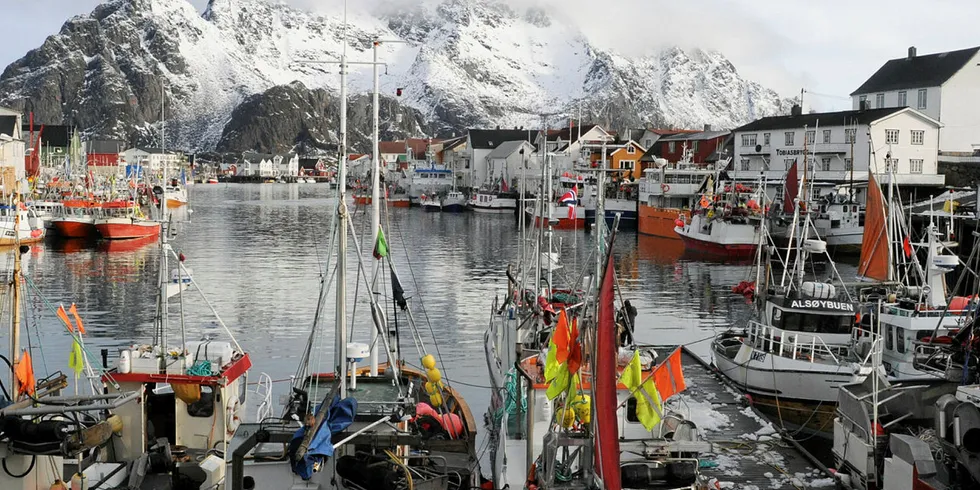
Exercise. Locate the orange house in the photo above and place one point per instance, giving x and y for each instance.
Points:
(627, 159)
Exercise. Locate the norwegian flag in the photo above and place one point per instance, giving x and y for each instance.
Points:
(571, 211)
(570, 197)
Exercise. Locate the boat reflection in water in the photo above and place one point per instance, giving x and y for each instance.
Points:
(659, 250)
(130, 245)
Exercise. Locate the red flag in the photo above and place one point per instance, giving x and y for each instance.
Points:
(63, 315)
(907, 246)
(561, 337)
(503, 185)
(575, 351)
(792, 189)
(606, 402)
(669, 376)
(78, 319)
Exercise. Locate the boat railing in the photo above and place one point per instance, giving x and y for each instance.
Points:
(792, 345)
(926, 313)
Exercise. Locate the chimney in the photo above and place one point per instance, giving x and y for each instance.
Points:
(911, 52)
(707, 127)
(797, 110)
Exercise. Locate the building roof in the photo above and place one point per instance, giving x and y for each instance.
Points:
(931, 70)
(7, 125)
(453, 143)
(570, 134)
(840, 118)
(104, 147)
(54, 135)
(668, 132)
(420, 146)
(392, 147)
(508, 148)
(356, 156)
(694, 136)
(489, 139)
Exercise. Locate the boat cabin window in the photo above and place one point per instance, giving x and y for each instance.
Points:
(631, 411)
(813, 323)
(890, 339)
(203, 407)
(900, 340)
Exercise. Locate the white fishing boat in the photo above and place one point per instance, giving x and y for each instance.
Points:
(726, 223)
(19, 224)
(454, 202)
(430, 203)
(799, 350)
(493, 202)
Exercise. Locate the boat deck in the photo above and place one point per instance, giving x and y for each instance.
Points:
(747, 450)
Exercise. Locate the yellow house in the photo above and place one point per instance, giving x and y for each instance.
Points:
(627, 159)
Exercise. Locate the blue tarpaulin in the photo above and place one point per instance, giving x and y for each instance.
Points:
(134, 171)
(339, 416)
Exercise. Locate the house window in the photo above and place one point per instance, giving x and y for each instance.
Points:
(789, 163)
(826, 136)
(825, 164)
(915, 166)
(862, 100)
(880, 101)
(918, 137)
(850, 135)
(745, 164)
(627, 164)
(672, 147)
(790, 138)
(903, 99)
(811, 136)
(750, 139)
(694, 146)
(922, 99)
(630, 149)
(891, 136)
(647, 142)
(765, 139)
(848, 164)
(891, 163)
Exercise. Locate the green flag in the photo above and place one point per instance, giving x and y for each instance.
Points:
(381, 246)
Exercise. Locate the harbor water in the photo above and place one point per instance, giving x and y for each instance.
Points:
(258, 252)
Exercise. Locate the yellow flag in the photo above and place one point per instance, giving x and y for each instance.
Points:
(560, 384)
(649, 406)
(551, 361)
(76, 360)
(950, 206)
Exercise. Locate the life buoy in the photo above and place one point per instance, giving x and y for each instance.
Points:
(664, 187)
(232, 420)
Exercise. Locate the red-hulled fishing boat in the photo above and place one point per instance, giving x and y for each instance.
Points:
(124, 220)
(77, 220)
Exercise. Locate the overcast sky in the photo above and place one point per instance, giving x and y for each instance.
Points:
(827, 46)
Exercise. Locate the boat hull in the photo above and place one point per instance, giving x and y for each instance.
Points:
(453, 208)
(627, 219)
(175, 203)
(123, 229)
(660, 221)
(26, 237)
(493, 210)
(561, 223)
(431, 208)
(402, 202)
(729, 250)
(74, 228)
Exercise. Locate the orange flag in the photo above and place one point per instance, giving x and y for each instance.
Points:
(78, 319)
(64, 317)
(575, 352)
(561, 338)
(24, 370)
(669, 376)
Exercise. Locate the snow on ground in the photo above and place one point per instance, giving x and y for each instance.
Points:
(703, 413)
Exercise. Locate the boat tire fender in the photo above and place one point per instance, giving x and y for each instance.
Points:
(232, 420)
(664, 187)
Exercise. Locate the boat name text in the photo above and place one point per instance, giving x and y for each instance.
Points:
(826, 305)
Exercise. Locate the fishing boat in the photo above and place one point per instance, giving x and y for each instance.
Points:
(566, 212)
(493, 202)
(796, 353)
(840, 219)
(175, 194)
(45, 212)
(122, 220)
(431, 179)
(620, 199)
(16, 225)
(560, 417)
(362, 426)
(454, 202)
(77, 219)
(725, 223)
(430, 203)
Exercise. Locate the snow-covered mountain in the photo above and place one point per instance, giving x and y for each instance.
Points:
(461, 63)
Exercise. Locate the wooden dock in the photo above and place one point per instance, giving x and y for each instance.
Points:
(747, 450)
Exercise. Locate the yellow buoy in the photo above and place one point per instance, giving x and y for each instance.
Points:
(429, 361)
(431, 388)
(434, 375)
(568, 419)
(436, 400)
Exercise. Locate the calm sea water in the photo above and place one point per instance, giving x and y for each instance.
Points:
(257, 252)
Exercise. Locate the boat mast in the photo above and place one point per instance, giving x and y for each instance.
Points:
(15, 297)
(164, 229)
(375, 197)
(341, 321)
